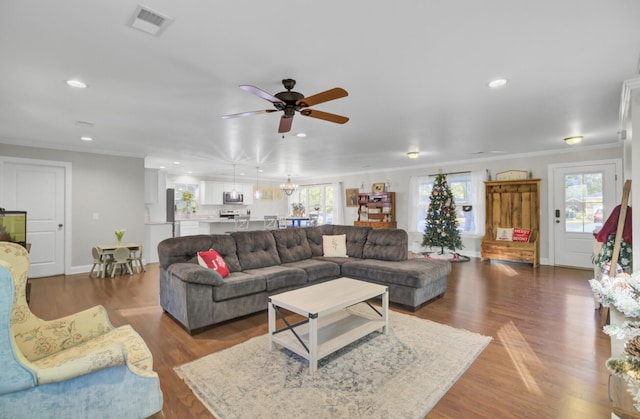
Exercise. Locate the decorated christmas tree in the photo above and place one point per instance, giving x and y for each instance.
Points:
(442, 228)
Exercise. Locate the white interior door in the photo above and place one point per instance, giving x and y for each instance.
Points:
(40, 190)
(583, 197)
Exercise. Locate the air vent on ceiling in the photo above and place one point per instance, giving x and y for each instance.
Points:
(149, 21)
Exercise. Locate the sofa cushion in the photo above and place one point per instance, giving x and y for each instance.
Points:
(239, 284)
(316, 269)
(334, 246)
(314, 237)
(279, 276)
(292, 244)
(256, 249)
(356, 238)
(212, 260)
(415, 273)
(386, 244)
(226, 246)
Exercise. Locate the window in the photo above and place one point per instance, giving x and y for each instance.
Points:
(179, 188)
(584, 202)
(467, 191)
(318, 199)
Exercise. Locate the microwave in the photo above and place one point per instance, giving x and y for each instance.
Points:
(228, 198)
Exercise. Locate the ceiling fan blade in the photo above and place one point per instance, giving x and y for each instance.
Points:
(331, 117)
(285, 124)
(237, 115)
(335, 93)
(261, 93)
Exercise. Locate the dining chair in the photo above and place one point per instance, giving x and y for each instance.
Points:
(121, 259)
(98, 260)
(313, 220)
(241, 222)
(135, 258)
(270, 222)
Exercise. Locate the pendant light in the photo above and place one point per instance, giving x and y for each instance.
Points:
(257, 194)
(234, 192)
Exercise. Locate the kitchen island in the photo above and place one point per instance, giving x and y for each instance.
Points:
(212, 225)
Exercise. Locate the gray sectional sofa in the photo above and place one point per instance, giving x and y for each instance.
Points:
(264, 263)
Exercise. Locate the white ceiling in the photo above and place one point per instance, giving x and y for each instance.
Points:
(416, 72)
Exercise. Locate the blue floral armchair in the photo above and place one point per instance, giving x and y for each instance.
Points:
(76, 366)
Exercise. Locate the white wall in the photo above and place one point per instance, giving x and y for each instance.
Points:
(536, 163)
(118, 195)
(110, 186)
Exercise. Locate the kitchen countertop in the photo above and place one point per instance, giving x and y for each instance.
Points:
(216, 219)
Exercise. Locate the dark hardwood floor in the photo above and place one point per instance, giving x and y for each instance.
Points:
(546, 359)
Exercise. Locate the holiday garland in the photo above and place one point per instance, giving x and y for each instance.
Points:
(441, 228)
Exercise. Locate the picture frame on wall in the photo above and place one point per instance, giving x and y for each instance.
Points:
(352, 197)
(378, 187)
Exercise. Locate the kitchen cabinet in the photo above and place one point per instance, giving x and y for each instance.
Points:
(189, 228)
(151, 186)
(247, 190)
(210, 193)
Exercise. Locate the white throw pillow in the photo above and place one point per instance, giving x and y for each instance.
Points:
(335, 246)
(505, 234)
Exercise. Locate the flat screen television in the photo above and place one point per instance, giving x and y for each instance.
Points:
(13, 227)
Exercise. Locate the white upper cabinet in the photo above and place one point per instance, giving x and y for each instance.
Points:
(210, 193)
(247, 191)
(151, 186)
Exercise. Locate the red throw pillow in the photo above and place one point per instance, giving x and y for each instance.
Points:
(521, 235)
(212, 259)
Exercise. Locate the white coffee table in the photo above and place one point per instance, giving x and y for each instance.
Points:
(329, 326)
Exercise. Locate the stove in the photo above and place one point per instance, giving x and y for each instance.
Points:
(229, 213)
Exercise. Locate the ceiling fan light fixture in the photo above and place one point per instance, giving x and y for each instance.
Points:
(289, 187)
(574, 140)
(413, 154)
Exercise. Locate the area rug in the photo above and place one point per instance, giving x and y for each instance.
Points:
(399, 375)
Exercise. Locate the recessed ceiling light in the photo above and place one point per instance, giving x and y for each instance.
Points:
(86, 138)
(176, 162)
(77, 84)
(162, 167)
(573, 140)
(413, 154)
(260, 170)
(301, 134)
(189, 172)
(497, 83)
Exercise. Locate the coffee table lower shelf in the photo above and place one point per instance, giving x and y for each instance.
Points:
(335, 331)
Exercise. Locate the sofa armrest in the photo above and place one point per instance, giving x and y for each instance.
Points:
(63, 333)
(66, 365)
(194, 273)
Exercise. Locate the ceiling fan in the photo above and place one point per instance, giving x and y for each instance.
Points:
(291, 102)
